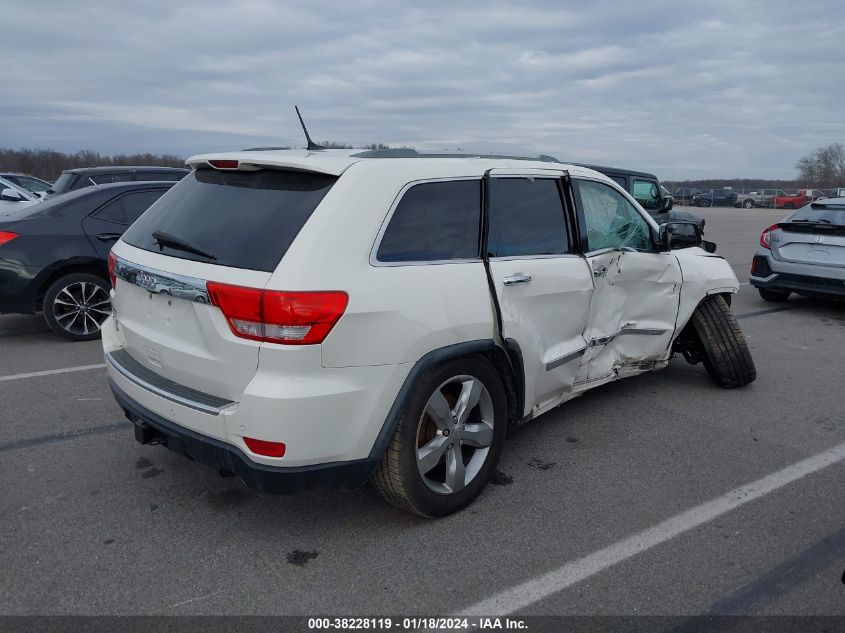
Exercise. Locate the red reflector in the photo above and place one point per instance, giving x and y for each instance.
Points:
(289, 318)
(765, 236)
(224, 164)
(7, 236)
(112, 265)
(263, 447)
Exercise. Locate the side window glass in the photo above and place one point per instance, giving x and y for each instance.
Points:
(113, 212)
(102, 179)
(647, 194)
(134, 204)
(526, 218)
(620, 181)
(612, 221)
(434, 221)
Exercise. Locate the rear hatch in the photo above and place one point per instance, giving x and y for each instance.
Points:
(228, 226)
(815, 234)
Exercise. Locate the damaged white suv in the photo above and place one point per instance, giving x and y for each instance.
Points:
(320, 319)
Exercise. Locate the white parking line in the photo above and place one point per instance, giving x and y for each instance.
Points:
(531, 591)
(51, 372)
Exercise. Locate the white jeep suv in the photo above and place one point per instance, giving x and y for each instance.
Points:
(320, 319)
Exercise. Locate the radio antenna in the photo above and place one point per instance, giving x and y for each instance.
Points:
(311, 144)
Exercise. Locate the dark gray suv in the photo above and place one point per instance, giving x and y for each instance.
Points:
(73, 179)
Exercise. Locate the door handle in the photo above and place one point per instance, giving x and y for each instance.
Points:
(601, 271)
(108, 237)
(516, 278)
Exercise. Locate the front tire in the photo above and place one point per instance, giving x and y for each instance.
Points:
(777, 296)
(724, 348)
(76, 305)
(448, 439)
(748, 204)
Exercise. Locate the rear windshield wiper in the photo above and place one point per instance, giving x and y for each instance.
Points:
(816, 221)
(166, 239)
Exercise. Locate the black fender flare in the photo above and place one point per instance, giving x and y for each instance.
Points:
(510, 356)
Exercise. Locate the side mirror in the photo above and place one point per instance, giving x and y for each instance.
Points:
(675, 235)
(668, 203)
(10, 195)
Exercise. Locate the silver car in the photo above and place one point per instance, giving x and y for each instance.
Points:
(803, 253)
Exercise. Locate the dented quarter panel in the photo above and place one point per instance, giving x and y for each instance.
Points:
(703, 274)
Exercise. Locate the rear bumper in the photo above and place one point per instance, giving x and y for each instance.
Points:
(227, 459)
(797, 278)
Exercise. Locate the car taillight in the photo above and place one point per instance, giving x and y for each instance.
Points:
(7, 236)
(112, 266)
(765, 236)
(274, 316)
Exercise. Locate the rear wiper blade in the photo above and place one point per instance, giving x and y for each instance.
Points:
(816, 221)
(166, 239)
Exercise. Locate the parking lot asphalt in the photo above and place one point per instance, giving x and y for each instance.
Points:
(633, 499)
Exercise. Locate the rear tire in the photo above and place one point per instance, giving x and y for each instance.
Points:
(748, 204)
(427, 444)
(778, 296)
(724, 348)
(76, 305)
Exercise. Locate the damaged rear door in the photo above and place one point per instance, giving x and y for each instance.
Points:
(636, 290)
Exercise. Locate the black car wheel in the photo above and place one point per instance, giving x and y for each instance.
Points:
(748, 204)
(76, 305)
(723, 347)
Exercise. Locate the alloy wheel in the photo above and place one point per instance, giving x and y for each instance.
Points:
(81, 307)
(454, 434)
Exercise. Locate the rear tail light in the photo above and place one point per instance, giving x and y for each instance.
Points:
(7, 236)
(273, 316)
(112, 266)
(263, 447)
(765, 236)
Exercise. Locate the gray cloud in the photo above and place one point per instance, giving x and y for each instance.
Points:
(717, 89)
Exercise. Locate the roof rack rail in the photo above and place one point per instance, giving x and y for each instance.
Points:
(264, 149)
(405, 152)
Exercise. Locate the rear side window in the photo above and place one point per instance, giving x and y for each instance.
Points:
(526, 218)
(434, 221)
(134, 204)
(243, 219)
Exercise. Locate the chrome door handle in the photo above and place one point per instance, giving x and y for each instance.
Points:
(517, 278)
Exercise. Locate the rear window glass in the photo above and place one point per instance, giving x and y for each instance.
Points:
(64, 183)
(243, 219)
(830, 215)
(172, 176)
(434, 221)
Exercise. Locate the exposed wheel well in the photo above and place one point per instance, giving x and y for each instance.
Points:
(101, 270)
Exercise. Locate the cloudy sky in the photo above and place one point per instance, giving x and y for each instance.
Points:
(687, 90)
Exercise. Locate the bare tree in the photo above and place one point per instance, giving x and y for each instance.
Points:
(823, 168)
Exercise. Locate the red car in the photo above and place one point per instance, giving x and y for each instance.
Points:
(804, 196)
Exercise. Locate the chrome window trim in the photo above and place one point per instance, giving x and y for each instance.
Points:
(167, 395)
(159, 282)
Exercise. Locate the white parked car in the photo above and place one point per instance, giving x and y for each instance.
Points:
(320, 319)
(13, 197)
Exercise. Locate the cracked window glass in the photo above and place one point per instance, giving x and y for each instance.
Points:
(612, 221)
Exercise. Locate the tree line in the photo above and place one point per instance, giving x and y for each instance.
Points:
(48, 164)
